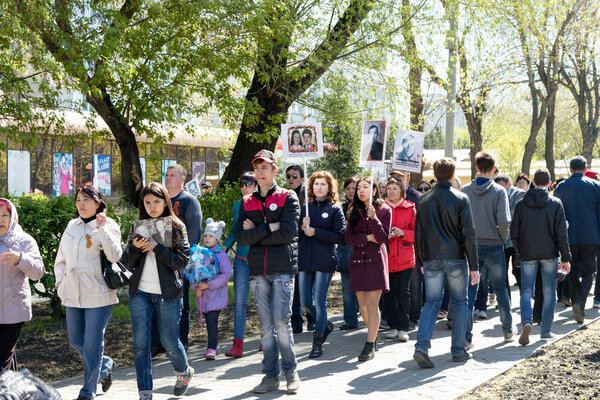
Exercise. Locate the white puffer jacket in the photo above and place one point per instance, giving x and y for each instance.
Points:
(77, 268)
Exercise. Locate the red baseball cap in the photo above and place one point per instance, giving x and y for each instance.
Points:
(265, 155)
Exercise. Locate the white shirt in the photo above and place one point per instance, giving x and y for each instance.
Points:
(149, 281)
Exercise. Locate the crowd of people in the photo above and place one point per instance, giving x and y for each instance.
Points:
(407, 257)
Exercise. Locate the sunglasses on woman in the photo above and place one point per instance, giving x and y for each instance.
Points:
(423, 189)
(246, 183)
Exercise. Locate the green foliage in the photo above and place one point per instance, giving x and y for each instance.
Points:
(219, 206)
(435, 139)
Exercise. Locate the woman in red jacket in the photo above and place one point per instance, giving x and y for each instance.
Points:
(401, 259)
(367, 232)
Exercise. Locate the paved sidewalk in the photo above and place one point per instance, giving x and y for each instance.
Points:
(337, 374)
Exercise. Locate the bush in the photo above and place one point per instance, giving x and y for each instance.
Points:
(218, 206)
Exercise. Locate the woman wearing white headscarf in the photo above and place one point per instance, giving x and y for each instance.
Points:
(20, 261)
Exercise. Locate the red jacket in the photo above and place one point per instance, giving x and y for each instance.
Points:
(401, 254)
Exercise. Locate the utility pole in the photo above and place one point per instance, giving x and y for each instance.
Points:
(451, 10)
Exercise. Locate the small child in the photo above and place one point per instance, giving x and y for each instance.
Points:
(213, 293)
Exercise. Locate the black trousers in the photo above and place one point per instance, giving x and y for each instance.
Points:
(212, 328)
(296, 318)
(9, 333)
(583, 268)
(397, 300)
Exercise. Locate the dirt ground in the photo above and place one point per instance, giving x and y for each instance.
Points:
(566, 369)
(47, 354)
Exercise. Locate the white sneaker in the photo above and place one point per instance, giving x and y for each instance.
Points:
(508, 336)
(492, 299)
(392, 334)
(403, 336)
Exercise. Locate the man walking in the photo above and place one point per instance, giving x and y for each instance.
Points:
(444, 236)
(539, 233)
(489, 203)
(580, 196)
(268, 223)
(188, 210)
(294, 178)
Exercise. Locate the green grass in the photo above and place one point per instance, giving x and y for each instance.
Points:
(121, 310)
(39, 323)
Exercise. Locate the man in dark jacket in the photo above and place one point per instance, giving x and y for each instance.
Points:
(268, 223)
(580, 196)
(539, 232)
(444, 240)
(294, 178)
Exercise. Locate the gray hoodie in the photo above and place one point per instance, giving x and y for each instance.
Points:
(489, 204)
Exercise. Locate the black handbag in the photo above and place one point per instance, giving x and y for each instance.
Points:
(115, 275)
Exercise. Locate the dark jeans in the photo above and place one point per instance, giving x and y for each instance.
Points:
(416, 294)
(583, 267)
(397, 300)
(538, 296)
(212, 328)
(184, 324)
(297, 319)
(597, 287)
(563, 291)
(9, 333)
(516, 270)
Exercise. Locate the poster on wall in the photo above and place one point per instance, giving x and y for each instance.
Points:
(102, 176)
(62, 174)
(303, 140)
(408, 150)
(19, 172)
(199, 172)
(372, 144)
(165, 165)
(143, 166)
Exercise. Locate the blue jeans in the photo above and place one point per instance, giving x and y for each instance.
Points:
(241, 285)
(457, 275)
(528, 274)
(142, 306)
(492, 268)
(273, 295)
(85, 328)
(319, 281)
(472, 296)
(212, 328)
(350, 302)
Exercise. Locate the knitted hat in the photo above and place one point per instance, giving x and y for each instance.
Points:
(214, 228)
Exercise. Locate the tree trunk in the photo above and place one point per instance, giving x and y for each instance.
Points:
(549, 152)
(252, 125)
(476, 141)
(131, 170)
(416, 109)
(588, 143)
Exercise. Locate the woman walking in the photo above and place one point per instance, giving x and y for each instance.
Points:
(88, 301)
(241, 274)
(322, 229)
(367, 232)
(156, 287)
(401, 259)
(20, 261)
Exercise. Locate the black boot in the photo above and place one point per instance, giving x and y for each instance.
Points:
(317, 349)
(367, 353)
(328, 329)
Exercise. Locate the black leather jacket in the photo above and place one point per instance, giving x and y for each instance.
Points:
(444, 228)
(539, 227)
(169, 262)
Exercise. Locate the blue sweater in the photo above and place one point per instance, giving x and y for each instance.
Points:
(241, 251)
(188, 210)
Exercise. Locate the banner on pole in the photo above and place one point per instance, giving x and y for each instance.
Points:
(102, 177)
(62, 174)
(372, 144)
(303, 140)
(408, 150)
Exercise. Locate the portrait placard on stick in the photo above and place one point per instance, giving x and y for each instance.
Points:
(408, 150)
(303, 140)
(372, 144)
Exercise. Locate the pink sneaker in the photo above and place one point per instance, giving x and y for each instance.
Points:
(211, 354)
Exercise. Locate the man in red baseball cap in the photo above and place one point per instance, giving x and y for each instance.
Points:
(268, 223)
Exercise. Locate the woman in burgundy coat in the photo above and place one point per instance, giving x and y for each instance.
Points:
(367, 232)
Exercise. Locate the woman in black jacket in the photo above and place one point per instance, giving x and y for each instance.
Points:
(156, 287)
(322, 229)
